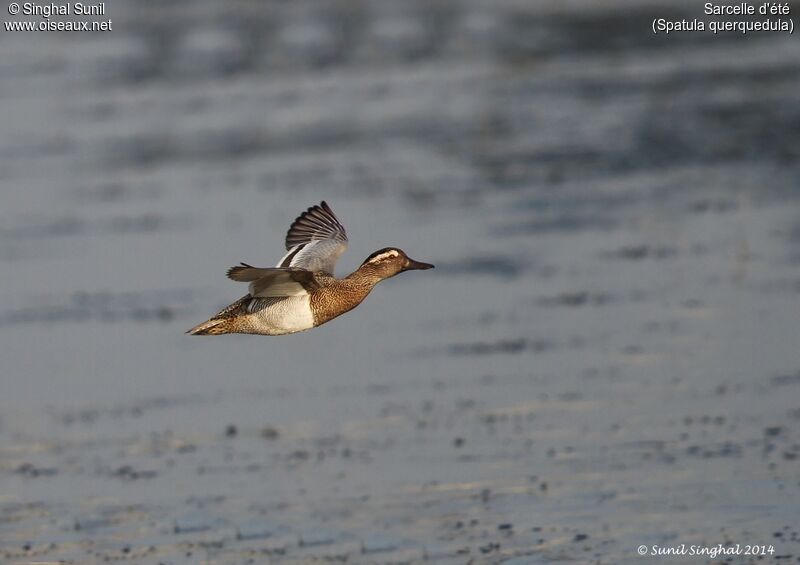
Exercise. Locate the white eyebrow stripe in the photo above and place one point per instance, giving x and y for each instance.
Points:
(386, 255)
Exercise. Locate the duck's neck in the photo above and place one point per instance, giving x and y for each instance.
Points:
(344, 295)
(366, 276)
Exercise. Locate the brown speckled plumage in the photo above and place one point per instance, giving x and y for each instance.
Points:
(335, 297)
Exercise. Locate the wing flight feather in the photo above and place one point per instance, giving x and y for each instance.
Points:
(273, 282)
(315, 240)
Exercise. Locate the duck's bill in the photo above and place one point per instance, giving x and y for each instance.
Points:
(416, 265)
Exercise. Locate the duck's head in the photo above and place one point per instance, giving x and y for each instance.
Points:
(389, 261)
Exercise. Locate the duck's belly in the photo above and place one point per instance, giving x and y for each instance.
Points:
(278, 316)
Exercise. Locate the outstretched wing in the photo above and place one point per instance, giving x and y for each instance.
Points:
(273, 282)
(315, 240)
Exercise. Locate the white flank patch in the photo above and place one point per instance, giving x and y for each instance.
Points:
(291, 314)
(296, 316)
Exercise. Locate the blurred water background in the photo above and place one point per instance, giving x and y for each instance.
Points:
(605, 356)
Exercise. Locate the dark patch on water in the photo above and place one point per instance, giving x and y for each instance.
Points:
(68, 226)
(717, 132)
(50, 227)
(194, 523)
(578, 299)
(713, 206)
(499, 267)
(161, 306)
(528, 36)
(786, 379)
(504, 346)
(132, 410)
(562, 223)
(31, 471)
(643, 251)
(780, 286)
(253, 530)
(128, 473)
(116, 192)
(710, 451)
(144, 150)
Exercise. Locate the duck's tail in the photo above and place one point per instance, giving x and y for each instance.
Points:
(224, 321)
(214, 326)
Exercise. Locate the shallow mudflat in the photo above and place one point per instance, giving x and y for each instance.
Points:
(605, 355)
